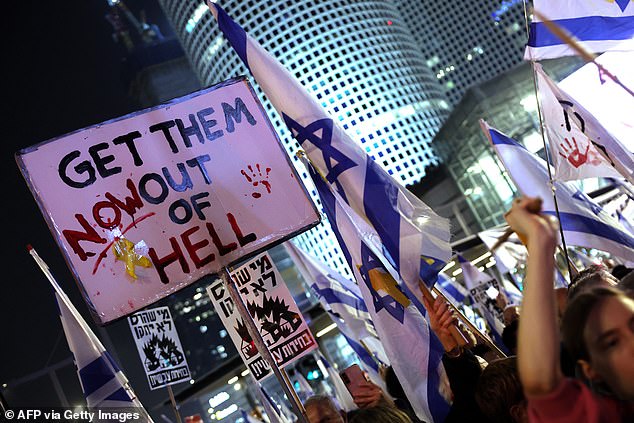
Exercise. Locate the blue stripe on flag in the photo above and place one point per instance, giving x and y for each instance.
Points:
(363, 354)
(588, 28)
(115, 367)
(380, 202)
(499, 138)
(235, 35)
(94, 375)
(337, 297)
(577, 223)
(119, 395)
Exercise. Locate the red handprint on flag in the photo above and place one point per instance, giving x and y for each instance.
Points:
(574, 156)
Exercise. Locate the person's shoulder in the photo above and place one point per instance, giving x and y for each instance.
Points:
(572, 401)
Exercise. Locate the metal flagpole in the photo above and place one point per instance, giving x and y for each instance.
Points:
(298, 408)
(471, 326)
(174, 406)
(546, 150)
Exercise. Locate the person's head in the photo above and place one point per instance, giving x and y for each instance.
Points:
(379, 414)
(590, 278)
(510, 314)
(509, 336)
(598, 333)
(322, 409)
(499, 393)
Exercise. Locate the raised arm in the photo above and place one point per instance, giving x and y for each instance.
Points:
(538, 337)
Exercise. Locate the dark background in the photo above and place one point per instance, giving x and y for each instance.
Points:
(62, 71)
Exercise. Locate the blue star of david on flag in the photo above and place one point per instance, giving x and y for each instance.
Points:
(324, 143)
(381, 302)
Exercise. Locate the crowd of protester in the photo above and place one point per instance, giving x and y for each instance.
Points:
(572, 350)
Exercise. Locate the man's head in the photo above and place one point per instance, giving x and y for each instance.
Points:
(499, 392)
(322, 409)
(598, 332)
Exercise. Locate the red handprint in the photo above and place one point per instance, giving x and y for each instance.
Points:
(572, 154)
(255, 177)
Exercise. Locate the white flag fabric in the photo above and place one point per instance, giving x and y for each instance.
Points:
(598, 25)
(414, 237)
(102, 382)
(271, 408)
(344, 398)
(397, 315)
(510, 254)
(572, 152)
(608, 102)
(577, 119)
(584, 222)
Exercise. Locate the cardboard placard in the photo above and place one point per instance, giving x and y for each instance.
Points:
(146, 204)
(159, 347)
(274, 311)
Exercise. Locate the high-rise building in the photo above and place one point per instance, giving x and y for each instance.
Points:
(355, 57)
(466, 42)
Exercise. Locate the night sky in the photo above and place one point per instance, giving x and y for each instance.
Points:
(62, 72)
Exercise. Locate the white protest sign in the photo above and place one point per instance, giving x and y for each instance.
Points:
(484, 295)
(146, 204)
(274, 311)
(159, 348)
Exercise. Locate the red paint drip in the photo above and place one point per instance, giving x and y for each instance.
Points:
(256, 195)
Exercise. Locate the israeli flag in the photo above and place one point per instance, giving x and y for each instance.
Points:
(345, 400)
(342, 299)
(414, 239)
(598, 25)
(584, 222)
(578, 120)
(102, 381)
(271, 408)
(451, 289)
(572, 152)
(397, 315)
(508, 255)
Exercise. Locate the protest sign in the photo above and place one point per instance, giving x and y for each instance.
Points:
(159, 347)
(146, 204)
(484, 296)
(273, 310)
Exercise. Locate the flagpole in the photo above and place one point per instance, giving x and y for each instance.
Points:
(546, 151)
(174, 406)
(470, 325)
(253, 331)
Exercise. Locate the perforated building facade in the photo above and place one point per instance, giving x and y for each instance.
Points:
(466, 42)
(356, 58)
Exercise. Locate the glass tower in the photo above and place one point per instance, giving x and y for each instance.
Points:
(357, 58)
(466, 42)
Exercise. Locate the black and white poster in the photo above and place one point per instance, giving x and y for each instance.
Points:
(159, 348)
(485, 297)
(274, 311)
